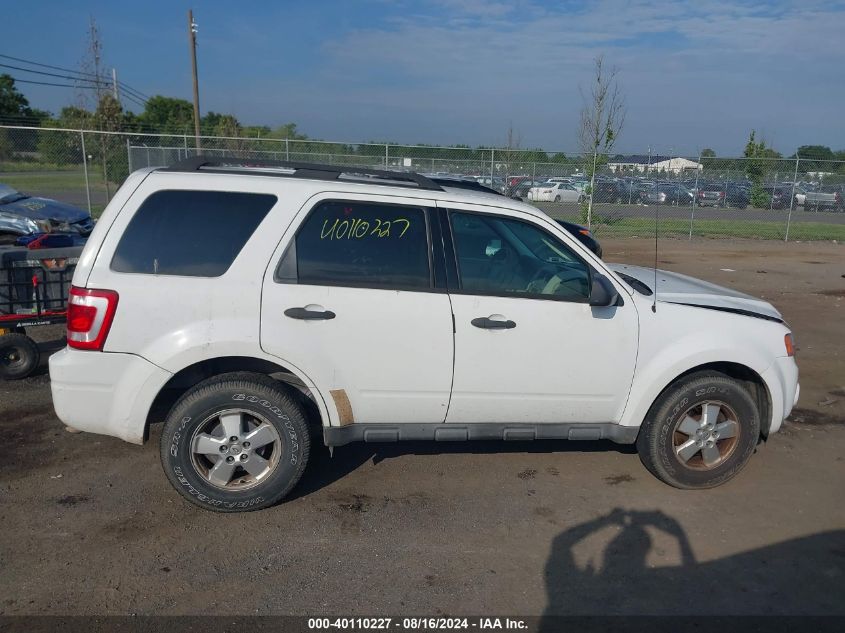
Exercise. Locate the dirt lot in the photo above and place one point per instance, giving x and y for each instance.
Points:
(91, 526)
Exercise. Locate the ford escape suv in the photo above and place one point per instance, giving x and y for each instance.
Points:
(264, 305)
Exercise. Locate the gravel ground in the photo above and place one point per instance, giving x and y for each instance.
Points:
(91, 526)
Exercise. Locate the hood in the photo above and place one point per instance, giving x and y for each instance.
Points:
(677, 288)
(44, 209)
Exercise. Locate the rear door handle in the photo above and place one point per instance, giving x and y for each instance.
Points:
(309, 315)
(492, 324)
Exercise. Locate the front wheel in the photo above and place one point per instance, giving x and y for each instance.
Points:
(700, 432)
(235, 442)
(557, 198)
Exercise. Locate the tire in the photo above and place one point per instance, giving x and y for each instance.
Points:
(19, 356)
(557, 198)
(674, 456)
(256, 407)
(581, 199)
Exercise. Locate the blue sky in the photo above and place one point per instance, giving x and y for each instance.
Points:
(695, 74)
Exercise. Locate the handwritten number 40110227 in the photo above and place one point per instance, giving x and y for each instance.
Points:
(359, 229)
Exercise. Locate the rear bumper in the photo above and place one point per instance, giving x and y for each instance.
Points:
(106, 393)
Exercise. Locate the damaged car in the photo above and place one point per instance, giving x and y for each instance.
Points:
(21, 215)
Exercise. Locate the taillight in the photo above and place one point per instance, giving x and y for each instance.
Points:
(89, 316)
(721, 194)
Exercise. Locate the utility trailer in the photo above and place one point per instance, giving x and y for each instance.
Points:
(34, 286)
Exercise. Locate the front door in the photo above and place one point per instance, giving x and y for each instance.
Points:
(351, 301)
(528, 347)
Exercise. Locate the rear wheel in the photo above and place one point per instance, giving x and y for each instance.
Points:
(700, 432)
(19, 356)
(557, 198)
(234, 443)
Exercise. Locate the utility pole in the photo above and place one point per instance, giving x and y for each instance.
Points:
(192, 40)
(114, 89)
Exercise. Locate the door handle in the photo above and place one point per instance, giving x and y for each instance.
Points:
(491, 324)
(309, 315)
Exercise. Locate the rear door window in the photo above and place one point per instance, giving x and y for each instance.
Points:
(369, 245)
(189, 233)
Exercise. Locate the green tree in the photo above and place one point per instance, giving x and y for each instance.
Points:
(64, 148)
(13, 104)
(15, 109)
(602, 121)
(755, 152)
(815, 152)
(166, 114)
(289, 131)
(708, 153)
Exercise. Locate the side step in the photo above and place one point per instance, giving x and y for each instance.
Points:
(443, 432)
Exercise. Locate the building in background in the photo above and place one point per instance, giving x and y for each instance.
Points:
(652, 164)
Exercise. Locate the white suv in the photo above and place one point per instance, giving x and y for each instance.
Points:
(261, 305)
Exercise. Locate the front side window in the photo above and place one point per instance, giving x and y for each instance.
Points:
(189, 233)
(503, 256)
(360, 244)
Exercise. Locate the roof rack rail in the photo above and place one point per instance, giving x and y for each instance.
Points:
(347, 173)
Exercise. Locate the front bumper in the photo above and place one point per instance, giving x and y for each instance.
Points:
(105, 392)
(782, 382)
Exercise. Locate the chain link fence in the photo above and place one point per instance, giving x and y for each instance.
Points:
(620, 195)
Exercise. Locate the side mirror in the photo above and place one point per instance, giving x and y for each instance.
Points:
(603, 293)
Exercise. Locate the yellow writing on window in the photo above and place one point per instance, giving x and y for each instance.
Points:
(356, 228)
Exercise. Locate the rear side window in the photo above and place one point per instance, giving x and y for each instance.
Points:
(360, 244)
(189, 233)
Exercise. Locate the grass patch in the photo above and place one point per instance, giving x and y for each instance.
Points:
(745, 229)
(34, 183)
(740, 229)
(14, 166)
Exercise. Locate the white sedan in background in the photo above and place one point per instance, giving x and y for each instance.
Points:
(555, 192)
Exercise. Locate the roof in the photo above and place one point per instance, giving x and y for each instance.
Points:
(349, 178)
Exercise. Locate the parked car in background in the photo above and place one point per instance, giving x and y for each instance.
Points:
(828, 198)
(554, 192)
(801, 190)
(21, 214)
(667, 193)
(520, 190)
(721, 194)
(607, 191)
(780, 196)
(494, 183)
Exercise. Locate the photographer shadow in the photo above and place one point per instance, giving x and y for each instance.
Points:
(803, 576)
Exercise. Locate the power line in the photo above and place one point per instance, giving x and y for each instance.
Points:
(76, 72)
(97, 84)
(122, 84)
(41, 72)
(47, 83)
(81, 86)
